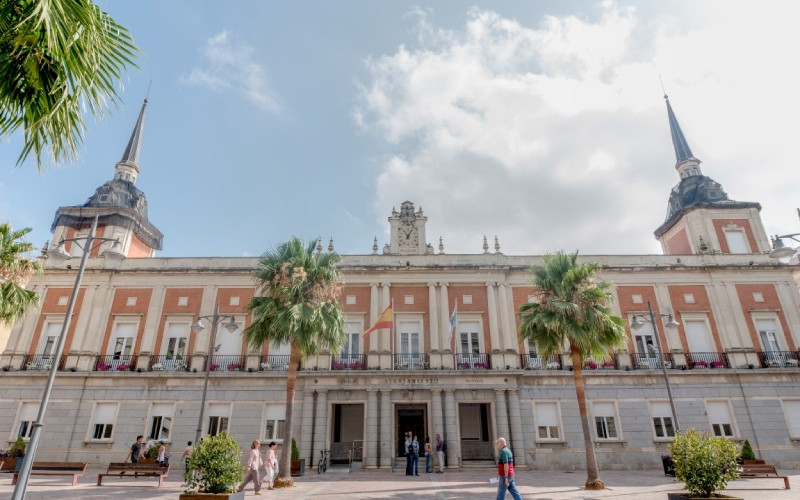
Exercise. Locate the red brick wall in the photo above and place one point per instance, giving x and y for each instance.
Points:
(678, 244)
(170, 306)
(119, 306)
(50, 306)
(719, 228)
(771, 303)
(702, 304)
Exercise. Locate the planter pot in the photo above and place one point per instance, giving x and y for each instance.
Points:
(298, 467)
(10, 463)
(682, 495)
(753, 462)
(239, 495)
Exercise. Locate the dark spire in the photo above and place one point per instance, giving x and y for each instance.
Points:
(131, 154)
(682, 151)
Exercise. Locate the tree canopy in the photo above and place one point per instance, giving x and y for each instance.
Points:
(15, 271)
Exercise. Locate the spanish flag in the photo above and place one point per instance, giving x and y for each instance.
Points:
(385, 320)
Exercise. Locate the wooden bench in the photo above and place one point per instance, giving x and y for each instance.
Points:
(74, 469)
(119, 470)
(762, 471)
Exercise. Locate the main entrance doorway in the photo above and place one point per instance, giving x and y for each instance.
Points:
(348, 432)
(410, 419)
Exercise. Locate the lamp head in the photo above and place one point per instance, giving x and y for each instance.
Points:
(232, 326)
(636, 325)
(671, 323)
(114, 255)
(59, 255)
(780, 251)
(198, 326)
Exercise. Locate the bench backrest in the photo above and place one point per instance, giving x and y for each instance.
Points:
(121, 466)
(61, 466)
(759, 469)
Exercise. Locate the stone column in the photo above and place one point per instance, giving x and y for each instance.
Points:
(22, 333)
(501, 414)
(437, 422)
(435, 332)
(374, 311)
(153, 321)
(508, 337)
(494, 336)
(451, 434)
(83, 321)
(305, 428)
(444, 304)
(518, 439)
(386, 442)
(101, 313)
(371, 440)
(321, 424)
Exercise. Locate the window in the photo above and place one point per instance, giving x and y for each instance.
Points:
(736, 241)
(177, 340)
(410, 341)
(719, 415)
(604, 420)
(105, 414)
(351, 350)
(792, 411)
(218, 415)
(161, 421)
(662, 420)
(547, 421)
(274, 429)
(27, 416)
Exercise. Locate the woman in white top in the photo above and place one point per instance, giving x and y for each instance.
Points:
(253, 463)
(271, 465)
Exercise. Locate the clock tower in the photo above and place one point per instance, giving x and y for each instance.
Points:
(408, 231)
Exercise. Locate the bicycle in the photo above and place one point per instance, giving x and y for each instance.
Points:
(324, 461)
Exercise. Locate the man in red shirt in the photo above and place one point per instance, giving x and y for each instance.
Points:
(505, 472)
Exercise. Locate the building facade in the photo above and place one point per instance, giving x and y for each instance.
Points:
(453, 364)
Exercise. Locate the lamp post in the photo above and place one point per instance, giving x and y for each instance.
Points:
(781, 251)
(113, 257)
(198, 327)
(671, 323)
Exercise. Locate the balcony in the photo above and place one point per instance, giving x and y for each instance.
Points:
(779, 359)
(414, 361)
(649, 361)
(169, 363)
(701, 360)
(226, 363)
(348, 362)
(115, 362)
(274, 363)
(476, 361)
(41, 362)
(534, 362)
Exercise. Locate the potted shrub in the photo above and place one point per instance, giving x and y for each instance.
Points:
(214, 470)
(12, 459)
(298, 464)
(703, 463)
(747, 456)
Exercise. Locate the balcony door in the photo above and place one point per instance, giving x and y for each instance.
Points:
(352, 349)
(177, 342)
(643, 339)
(48, 346)
(409, 343)
(469, 348)
(122, 345)
(768, 335)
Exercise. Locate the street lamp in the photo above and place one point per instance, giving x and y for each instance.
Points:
(637, 324)
(113, 257)
(781, 251)
(198, 327)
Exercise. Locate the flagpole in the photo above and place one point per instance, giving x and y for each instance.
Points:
(391, 331)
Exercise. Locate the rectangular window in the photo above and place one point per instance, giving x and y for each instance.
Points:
(27, 416)
(218, 415)
(547, 421)
(662, 420)
(737, 243)
(275, 415)
(604, 419)
(719, 416)
(792, 411)
(105, 414)
(161, 421)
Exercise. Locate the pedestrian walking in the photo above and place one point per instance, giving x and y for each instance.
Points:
(270, 465)
(440, 453)
(407, 447)
(253, 464)
(135, 453)
(186, 454)
(428, 453)
(505, 472)
(415, 456)
(162, 453)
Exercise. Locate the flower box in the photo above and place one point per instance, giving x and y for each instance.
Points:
(213, 367)
(701, 364)
(124, 368)
(234, 367)
(792, 362)
(338, 366)
(609, 364)
(102, 367)
(464, 366)
(553, 365)
(482, 366)
(643, 365)
(717, 364)
(266, 366)
(591, 365)
(357, 365)
(158, 367)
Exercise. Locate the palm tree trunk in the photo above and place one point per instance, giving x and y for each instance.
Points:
(593, 481)
(285, 477)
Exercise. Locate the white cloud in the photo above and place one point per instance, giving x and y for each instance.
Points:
(555, 136)
(230, 65)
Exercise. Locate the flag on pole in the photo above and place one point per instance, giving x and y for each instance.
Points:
(385, 320)
(453, 318)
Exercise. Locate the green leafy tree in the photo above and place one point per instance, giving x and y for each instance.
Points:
(296, 303)
(571, 311)
(15, 271)
(705, 463)
(57, 58)
(214, 466)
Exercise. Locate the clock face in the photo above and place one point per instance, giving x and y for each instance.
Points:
(408, 238)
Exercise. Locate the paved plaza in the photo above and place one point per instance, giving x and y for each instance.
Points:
(472, 484)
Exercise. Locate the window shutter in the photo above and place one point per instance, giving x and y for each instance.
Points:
(162, 409)
(28, 412)
(219, 410)
(718, 412)
(792, 409)
(276, 412)
(547, 414)
(603, 409)
(660, 409)
(105, 413)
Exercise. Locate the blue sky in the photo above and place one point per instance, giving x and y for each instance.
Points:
(539, 122)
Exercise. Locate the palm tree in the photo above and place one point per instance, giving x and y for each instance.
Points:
(297, 303)
(571, 310)
(15, 271)
(58, 58)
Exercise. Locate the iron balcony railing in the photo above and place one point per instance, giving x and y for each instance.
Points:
(226, 363)
(42, 362)
(533, 361)
(274, 363)
(640, 361)
(411, 361)
(476, 361)
(707, 360)
(170, 363)
(779, 359)
(115, 363)
(349, 362)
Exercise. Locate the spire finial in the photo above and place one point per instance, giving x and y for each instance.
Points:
(485, 245)
(375, 246)
(441, 245)
(127, 168)
(330, 246)
(683, 152)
